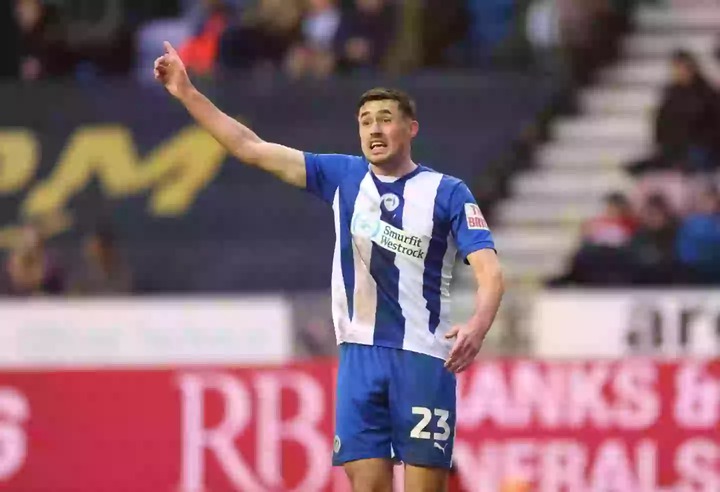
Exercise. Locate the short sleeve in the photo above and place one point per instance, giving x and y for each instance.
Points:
(469, 228)
(325, 172)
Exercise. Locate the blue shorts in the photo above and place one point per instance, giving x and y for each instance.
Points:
(394, 404)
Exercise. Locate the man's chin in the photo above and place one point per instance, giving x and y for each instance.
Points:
(378, 160)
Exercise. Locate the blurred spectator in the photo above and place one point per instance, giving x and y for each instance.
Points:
(589, 32)
(198, 12)
(687, 124)
(444, 23)
(675, 187)
(602, 258)
(490, 22)
(44, 49)
(104, 272)
(263, 36)
(30, 269)
(614, 227)
(314, 56)
(365, 33)
(698, 242)
(200, 51)
(10, 54)
(652, 248)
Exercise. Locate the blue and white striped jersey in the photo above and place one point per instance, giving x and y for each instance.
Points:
(396, 244)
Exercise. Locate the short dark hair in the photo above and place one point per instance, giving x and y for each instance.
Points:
(657, 200)
(683, 55)
(686, 58)
(405, 102)
(616, 197)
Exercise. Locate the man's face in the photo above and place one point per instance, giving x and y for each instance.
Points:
(615, 209)
(654, 218)
(28, 13)
(93, 249)
(682, 73)
(385, 132)
(708, 203)
(369, 6)
(30, 240)
(320, 5)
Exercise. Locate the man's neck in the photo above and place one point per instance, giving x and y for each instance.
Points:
(395, 169)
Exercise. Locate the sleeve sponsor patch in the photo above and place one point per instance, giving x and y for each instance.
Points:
(474, 217)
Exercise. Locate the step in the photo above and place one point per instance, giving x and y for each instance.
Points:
(689, 18)
(516, 270)
(646, 73)
(575, 155)
(464, 306)
(663, 44)
(631, 102)
(651, 73)
(555, 212)
(548, 183)
(605, 129)
(528, 240)
(535, 267)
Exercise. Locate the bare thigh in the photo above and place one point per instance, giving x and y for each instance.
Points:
(422, 479)
(370, 475)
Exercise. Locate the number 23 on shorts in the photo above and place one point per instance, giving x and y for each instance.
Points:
(420, 432)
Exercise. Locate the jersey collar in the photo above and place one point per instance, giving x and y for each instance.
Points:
(418, 169)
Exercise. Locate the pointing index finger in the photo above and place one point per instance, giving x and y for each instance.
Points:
(169, 48)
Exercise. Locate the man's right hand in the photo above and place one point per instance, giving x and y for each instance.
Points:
(170, 71)
(286, 163)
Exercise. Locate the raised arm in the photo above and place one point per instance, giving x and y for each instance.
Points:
(285, 163)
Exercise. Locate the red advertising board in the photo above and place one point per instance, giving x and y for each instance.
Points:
(626, 426)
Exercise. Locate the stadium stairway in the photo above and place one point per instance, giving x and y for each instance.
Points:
(537, 228)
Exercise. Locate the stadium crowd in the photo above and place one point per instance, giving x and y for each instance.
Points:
(66, 39)
(62, 40)
(32, 268)
(652, 244)
(667, 229)
(54, 38)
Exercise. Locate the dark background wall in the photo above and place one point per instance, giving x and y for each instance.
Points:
(242, 230)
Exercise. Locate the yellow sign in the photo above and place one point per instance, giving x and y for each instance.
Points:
(174, 172)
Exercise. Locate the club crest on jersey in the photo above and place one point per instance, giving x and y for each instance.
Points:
(365, 225)
(390, 201)
(474, 216)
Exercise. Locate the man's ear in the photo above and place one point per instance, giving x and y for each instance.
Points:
(414, 128)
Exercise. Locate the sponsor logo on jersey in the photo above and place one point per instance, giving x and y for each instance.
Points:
(389, 237)
(474, 216)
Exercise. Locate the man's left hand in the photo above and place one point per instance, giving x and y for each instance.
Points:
(468, 342)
